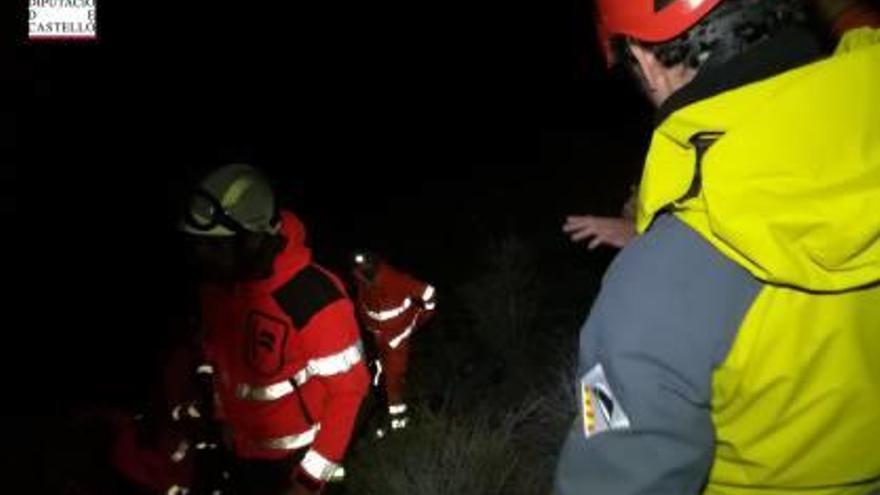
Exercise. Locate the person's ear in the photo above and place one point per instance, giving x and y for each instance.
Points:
(651, 68)
(658, 80)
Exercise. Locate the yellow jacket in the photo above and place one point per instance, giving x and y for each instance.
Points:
(791, 192)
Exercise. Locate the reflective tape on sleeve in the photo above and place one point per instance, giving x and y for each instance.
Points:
(334, 364)
(267, 393)
(319, 467)
(389, 314)
(397, 409)
(292, 442)
(428, 294)
(396, 341)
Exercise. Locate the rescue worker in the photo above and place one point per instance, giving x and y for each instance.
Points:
(177, 450)
(162, 465)
(839, 15)
(392, 305)
(734, 346)
(280, 334)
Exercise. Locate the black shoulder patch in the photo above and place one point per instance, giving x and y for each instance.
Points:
(306, 294)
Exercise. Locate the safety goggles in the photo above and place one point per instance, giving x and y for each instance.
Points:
(205, 214)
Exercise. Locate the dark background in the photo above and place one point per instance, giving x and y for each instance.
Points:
(422, 129)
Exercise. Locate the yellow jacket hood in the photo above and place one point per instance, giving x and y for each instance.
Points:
(791, 189)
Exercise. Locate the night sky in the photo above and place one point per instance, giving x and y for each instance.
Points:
(419, 129)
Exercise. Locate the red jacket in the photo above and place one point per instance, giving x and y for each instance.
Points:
(287, 359)
(160, 462)
(156, 468)
(394, 304)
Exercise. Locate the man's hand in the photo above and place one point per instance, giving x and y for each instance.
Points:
(611, 231)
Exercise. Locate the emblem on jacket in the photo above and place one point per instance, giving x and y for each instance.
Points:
(600, 409)
(266, 340)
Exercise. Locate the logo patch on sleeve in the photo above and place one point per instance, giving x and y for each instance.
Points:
(600, 409)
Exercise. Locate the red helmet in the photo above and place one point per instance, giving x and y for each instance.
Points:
(647, 20)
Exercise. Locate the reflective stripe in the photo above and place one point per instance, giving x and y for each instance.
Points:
(428, 294)
(292, 442)
(205, 369)
(430, 305)
(177, 490)
(335, 364)
(190, 412)
(397, 424)
(378, 373)
(318, 467)
(180, 453)
(389, 314)
(397, 409)
(338, 475)
(237, 189)
(267, 393)
(397, 340)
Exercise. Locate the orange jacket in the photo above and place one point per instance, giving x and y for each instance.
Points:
(394, 304)
(287, 359)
